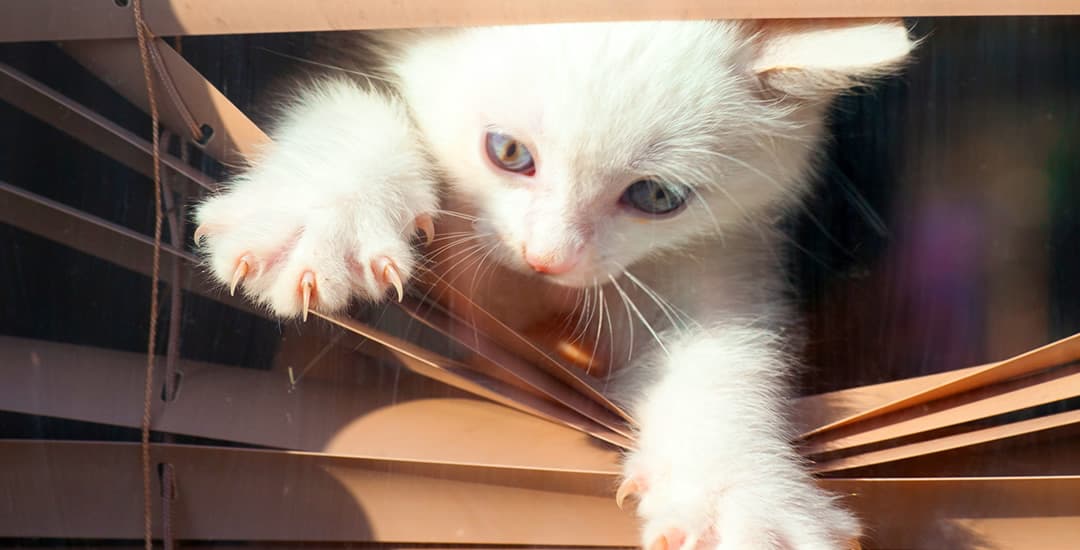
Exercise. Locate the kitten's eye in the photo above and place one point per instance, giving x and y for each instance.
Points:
(653, 197)
(509, 154)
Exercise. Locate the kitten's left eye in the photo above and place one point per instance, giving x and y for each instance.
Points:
(509, 154)
(653, 197)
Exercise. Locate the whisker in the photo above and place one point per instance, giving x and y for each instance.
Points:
(666, 307)
(461, 255)
(475, 267)
(473, 260)
(610, 332)
(568, 318)
(581, 328)
(434, 254)
(590, 299)
(474, 253)
(472, 287)
(629, 302)
(456, 214)
(476, 272)
(491, 266)
(599, 325)
(467, 252)
(444, 236)
(471, 253)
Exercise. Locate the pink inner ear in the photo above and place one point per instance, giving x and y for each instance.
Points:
(854, 47)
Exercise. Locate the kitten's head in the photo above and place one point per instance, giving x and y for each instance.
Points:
(584, 148)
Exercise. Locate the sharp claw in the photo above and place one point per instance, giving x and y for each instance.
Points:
(626, 488)
(391, 275)
(427, 225)
(386, 272)
(200, 232)
(242, 268)
(307, 284)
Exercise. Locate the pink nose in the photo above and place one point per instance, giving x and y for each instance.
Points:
(549, 263)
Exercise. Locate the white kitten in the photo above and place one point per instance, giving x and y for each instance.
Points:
(578, 152)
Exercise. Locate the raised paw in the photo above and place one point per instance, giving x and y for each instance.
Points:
(328, 211)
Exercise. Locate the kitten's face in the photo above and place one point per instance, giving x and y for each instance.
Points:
(585, 148)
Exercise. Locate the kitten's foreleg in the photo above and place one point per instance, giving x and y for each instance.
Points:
(328, 210)
(715, 467)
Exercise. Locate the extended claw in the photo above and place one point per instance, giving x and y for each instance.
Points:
(427, 225)
(200, 232)
(307, 284)
(241, 271)
(628, 487)
(389, 272)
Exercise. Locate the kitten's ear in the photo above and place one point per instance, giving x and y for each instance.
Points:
(819, 58)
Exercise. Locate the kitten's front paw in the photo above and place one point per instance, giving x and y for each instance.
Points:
(708, 508)
(292, 250)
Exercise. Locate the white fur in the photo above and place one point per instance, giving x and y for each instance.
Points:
(340, 186)
(600, 106)
(714, 450)
(683, 102)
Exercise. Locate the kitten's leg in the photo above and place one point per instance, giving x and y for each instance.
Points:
(715, 467)
(328, 211)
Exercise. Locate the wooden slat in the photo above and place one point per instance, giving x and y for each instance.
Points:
(814, 411)
(500, 363)
(1056, 385)
(460, 376)
(88, 127)
(97, 19)
(103, 239)
(93, 490)
(962, 513)
(1051, 452)
(527, 350)
(117, 62)
(259, 545)
(1053, 354)
(413, 421)
(131, 545)
(951, 442)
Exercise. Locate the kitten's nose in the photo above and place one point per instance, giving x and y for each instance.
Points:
(551, 263)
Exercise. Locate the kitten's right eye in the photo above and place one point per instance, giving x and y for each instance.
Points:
(509, 154)
(655, 198)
